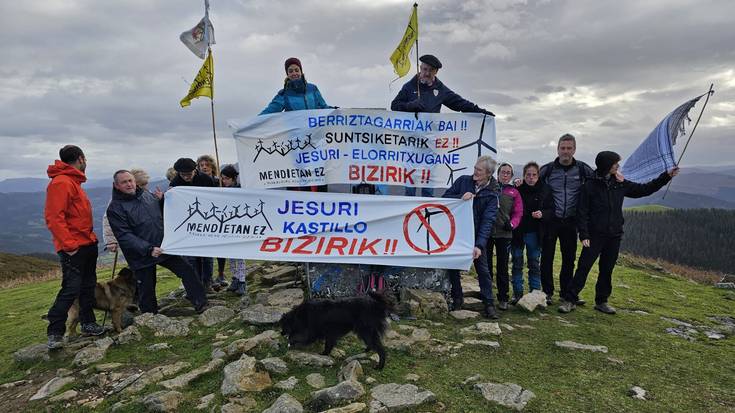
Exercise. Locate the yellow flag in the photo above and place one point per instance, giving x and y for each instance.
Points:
(400, 57)
(203, 84)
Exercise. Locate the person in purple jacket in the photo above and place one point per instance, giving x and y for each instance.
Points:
(508, 218)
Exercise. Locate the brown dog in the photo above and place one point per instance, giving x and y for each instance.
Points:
(114, 296)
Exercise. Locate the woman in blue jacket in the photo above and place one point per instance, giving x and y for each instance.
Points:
(296, 94)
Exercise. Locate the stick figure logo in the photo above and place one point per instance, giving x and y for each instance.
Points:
(434, 241)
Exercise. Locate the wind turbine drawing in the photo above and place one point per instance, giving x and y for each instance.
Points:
(427, 217)
(479, 142)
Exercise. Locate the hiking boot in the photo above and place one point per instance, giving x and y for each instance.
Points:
(605, 308)
(566, 307)
(202, 307)
(580, 302)
(515, 299)
(549, 300)
(92, 329)
(240, 288)
(503, 305)
(55, 342)
(221, 281)
(233, 285)
(490, 312)
(457, 304)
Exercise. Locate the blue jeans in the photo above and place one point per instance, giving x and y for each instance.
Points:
(533, 254)
(483, 277)
(411, 191)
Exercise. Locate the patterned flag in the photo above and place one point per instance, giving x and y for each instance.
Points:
(656, 154)
(203, 84)
(400, 57)
(200, 36)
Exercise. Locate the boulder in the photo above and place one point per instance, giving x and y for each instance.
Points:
(274, 365)
(92, 353)
(350, 408)
(310, 359)
(268, 338)
(352, 370)
(155, 375)
(241, 376)
(571, 345)
(163, 326)
(315, 380)
(279, 275)
(159, 346)
(463, 314)
(162, 401)
(259, 314)
(128, 335)
(509, 395)
(485, 343)
(205, 401)
(532, 300)
(32, 353)
(285, 404)
(431, 304)
(343, 392)
(51, 387)
(482, 329)
(64, 397)
(287, 298)
(287, 384)
(119, 386)
(393, 397)
(183, 380)
(473, 304)
(637, 392)
(215, 315)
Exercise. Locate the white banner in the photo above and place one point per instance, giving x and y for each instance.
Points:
(351, 146)
(278, 225)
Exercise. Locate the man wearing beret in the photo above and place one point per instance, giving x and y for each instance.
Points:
(433, 95)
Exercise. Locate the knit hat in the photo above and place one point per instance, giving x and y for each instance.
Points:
(185, 165)
(293, 61)
(604, 162)
(229, 171)
(431, 60)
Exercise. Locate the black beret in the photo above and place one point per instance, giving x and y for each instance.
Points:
(431, 60)
(185, 165)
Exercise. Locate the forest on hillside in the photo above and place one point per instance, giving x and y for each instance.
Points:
(701, 238)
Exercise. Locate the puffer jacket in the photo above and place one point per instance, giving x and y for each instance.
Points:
(600, 211)
(565, 183)
(199, 179)
(484, 205)
(296, 95)
(68, 212)
(432, 98)
(510, 210)
(137, 222)
(535, 198)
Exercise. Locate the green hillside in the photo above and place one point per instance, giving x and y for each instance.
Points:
(14, 268)
(648, 208)
(679, 375)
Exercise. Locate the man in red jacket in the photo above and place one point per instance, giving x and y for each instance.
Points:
(68, 215)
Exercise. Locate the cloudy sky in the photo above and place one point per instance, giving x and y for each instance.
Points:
(108, 76)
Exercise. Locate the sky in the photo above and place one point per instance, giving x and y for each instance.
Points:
(108, 76)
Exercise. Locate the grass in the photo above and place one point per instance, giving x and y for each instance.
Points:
(649, 208)
(21, 269)
(679, 375)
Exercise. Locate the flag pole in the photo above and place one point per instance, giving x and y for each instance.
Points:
(709, 93)
(418, 69)
(214, 131)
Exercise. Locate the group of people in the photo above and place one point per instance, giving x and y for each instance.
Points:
(560, 201)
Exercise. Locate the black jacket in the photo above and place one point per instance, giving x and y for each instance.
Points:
(199, 179)
(565, 183)
(600, 208)
(535, 198)
(432, 98)
(484, 205)
(137, 222)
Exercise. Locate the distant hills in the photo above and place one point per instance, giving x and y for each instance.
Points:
(23, 230)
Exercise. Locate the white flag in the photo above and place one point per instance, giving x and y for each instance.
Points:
(200, 36)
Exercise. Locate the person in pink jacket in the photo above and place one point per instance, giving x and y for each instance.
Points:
(510, 212)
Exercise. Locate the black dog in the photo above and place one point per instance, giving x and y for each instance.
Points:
(331, 319)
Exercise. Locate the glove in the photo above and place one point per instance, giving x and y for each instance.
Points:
(507, 226)
(487, 112)
(414, 106)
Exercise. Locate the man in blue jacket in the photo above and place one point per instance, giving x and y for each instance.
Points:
(433, 94)
(482, 189)
(137, 221)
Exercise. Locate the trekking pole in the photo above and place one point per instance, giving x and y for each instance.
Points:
(710, 92)
(114, 262)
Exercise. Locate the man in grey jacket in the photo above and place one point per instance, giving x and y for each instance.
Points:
(565, 177)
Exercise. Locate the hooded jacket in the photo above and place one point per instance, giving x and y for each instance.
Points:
(565, 183)
(535, 198)
(600, 209)
(432, 98)
(68, 212)
(296, 95)
(199, 179)
(510, 210)
(484, 205)
(137, 222)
